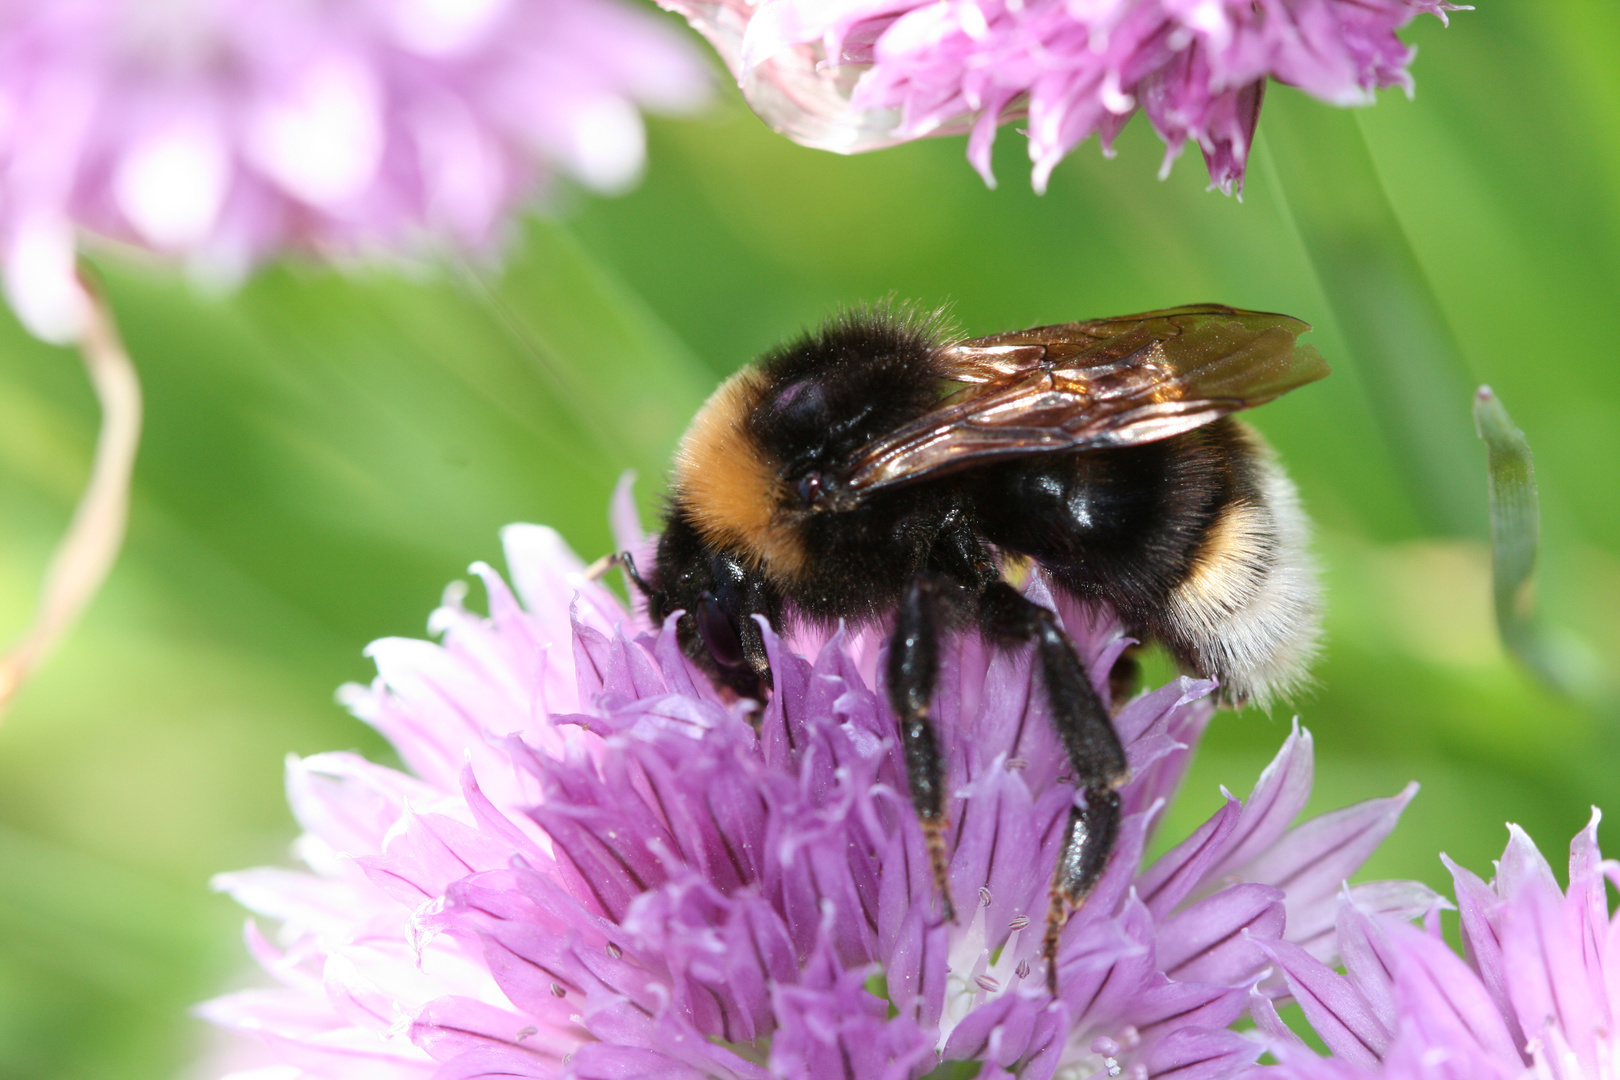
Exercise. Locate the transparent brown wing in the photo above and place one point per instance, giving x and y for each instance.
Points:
(1075, 386)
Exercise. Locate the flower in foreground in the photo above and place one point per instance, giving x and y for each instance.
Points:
(225, 131)
(600, 869)
(1536, 998)
(854, 75)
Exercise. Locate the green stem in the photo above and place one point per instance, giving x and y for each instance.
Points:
(1515, 519)
(1385, 309)
(1515, 538)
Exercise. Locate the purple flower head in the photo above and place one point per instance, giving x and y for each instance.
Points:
(603, 870)
(854, 75)
(227, 130)
(1536, 998)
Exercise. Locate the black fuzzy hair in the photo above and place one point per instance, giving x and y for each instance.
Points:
(862, 373)
(884, 327)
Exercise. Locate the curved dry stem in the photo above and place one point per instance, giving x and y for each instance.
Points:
(89, 549)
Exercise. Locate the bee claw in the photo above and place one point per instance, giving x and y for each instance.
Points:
(1057, 916)
(940, 864)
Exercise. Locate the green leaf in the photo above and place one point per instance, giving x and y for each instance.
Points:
(627, 378)
(1381, 299)
(955, 1070)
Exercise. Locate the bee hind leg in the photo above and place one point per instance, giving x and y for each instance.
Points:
(1095, 755)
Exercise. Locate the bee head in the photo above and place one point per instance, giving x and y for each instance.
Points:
(716, 591)
(823, 397)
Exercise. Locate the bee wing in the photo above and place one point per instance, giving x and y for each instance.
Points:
(1077, 386)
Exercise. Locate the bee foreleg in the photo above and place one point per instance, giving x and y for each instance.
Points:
(913, 671)
(1095, 755)
(626, 562)
(757, 598)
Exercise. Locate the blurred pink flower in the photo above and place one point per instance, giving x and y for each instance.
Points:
(601, 870)
(854, 75)
(1537, 997)
(228, 130)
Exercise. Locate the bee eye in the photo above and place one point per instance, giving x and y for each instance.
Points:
(809, 488)
(718, 632)
(802, 404)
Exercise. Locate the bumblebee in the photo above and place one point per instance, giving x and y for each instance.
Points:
(876, 470)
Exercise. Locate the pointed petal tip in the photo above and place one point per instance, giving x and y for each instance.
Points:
(1520, 842)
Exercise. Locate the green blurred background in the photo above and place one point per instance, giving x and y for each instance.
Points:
(324, 452)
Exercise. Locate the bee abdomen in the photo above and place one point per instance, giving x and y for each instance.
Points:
(1248, 613)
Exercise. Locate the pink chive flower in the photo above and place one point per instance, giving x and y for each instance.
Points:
(1536, 998)
(854, 75)
(601, 870)
(224, 131)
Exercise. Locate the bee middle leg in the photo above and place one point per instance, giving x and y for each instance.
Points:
(1095, 755)
(913, 672)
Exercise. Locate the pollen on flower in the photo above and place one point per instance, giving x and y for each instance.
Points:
(598, 867)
